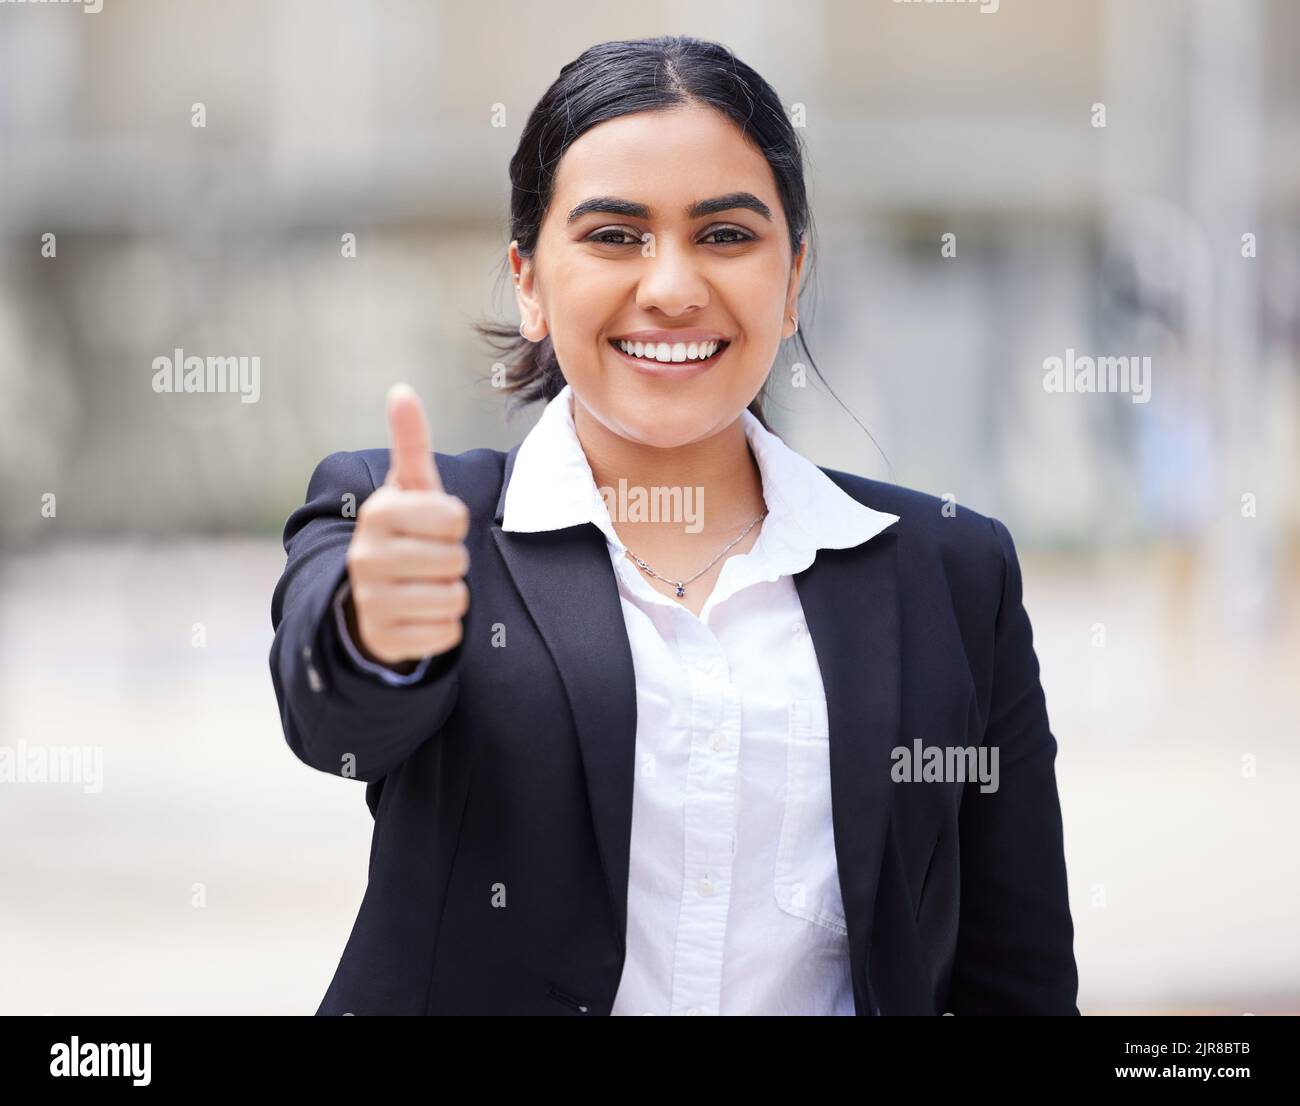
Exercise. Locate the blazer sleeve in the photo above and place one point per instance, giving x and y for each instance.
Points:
(341, 597)
(1015, 936)
(336, 716)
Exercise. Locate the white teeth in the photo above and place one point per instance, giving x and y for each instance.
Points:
(676, 351)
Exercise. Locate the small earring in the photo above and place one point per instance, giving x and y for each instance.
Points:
(521, 331)
(796, 327)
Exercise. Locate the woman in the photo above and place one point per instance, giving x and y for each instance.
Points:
(648, 706)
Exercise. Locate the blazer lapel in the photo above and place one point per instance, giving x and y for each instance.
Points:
(850, 602)
(568, 585)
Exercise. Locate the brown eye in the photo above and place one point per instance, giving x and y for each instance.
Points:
(740, 235)
(607, 237)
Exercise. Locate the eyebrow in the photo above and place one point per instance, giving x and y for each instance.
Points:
(614, 205)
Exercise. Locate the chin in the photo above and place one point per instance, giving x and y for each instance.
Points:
(659, 433)
(664, 421)
(672, 424)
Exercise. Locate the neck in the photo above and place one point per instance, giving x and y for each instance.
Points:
(721, 468)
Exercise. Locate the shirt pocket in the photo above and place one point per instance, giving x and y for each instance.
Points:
(806, 880)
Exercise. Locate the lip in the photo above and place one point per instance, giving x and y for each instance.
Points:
(669, 370)
(685, 334)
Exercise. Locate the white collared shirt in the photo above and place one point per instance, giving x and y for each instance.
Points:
(734, 902)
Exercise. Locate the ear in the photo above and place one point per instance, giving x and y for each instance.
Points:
(524, 276)
(792, 291)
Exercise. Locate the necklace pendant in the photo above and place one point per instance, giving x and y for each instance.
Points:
(681, 590)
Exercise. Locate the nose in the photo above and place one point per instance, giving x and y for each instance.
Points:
(671, 280)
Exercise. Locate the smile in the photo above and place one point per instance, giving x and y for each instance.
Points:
(671, 358)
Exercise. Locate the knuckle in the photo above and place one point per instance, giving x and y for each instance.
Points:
(362, 559)
(383, 655)
(394, 503)
(375, 502)
(453, 560)
(448, 637)
(456, 514)
(378, 646)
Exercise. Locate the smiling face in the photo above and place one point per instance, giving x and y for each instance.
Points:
(665, 235)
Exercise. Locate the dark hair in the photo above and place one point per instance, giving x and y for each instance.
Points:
(614, 79)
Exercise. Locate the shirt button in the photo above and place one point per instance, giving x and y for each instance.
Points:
(706, 888)
(719, 742)
(313, 679)
(704, 666)
(695, 1010)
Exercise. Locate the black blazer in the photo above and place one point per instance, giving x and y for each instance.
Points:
(508, 771)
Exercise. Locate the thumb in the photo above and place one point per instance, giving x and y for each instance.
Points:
(410, 462)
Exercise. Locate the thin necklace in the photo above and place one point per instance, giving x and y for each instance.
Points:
(680, 585)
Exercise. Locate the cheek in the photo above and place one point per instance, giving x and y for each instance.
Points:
(758, 301)
(579, 300)
(755, 295)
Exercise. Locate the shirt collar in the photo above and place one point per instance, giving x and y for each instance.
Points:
(552, 487)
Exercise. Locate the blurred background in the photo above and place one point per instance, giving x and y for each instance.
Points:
(210, 871)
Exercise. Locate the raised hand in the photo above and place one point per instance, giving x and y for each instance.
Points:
(407, 559)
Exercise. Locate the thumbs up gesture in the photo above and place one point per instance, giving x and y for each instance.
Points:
(407, 557)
